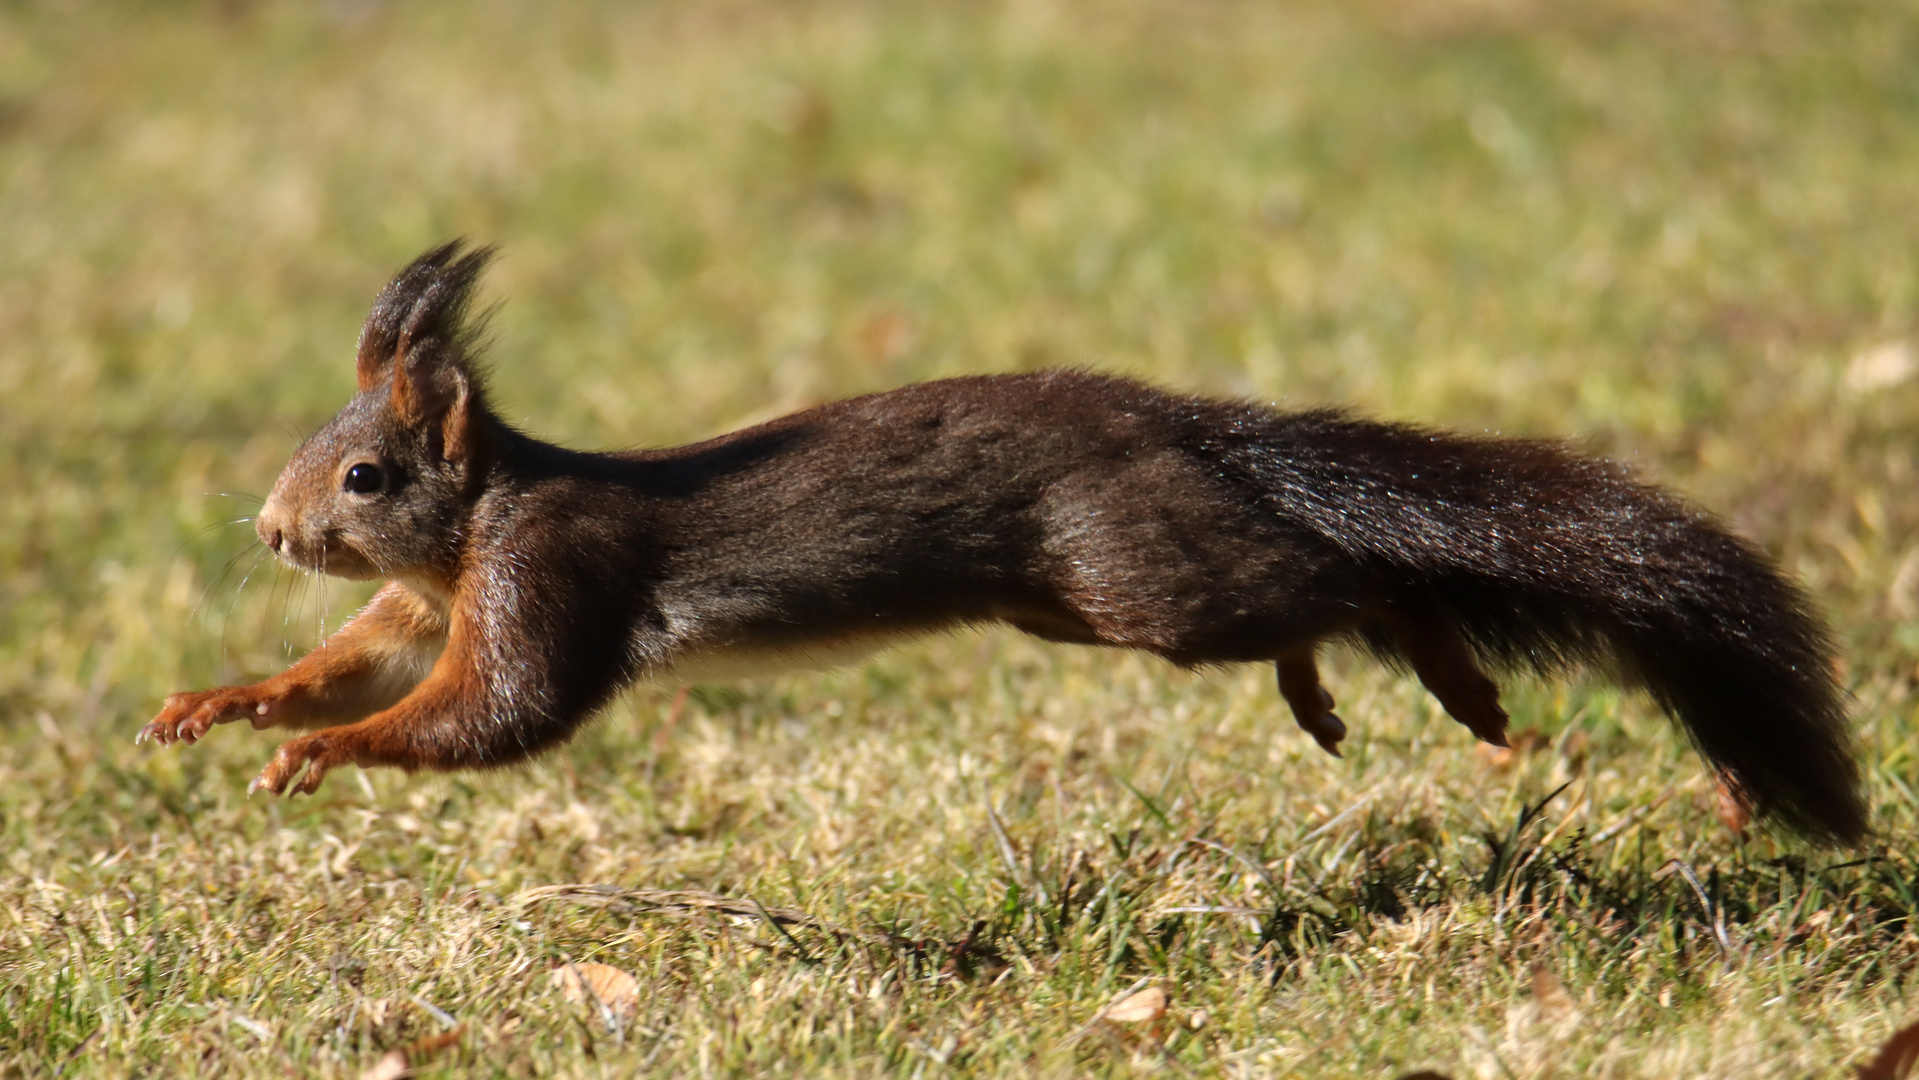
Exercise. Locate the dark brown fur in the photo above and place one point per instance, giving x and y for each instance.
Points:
(529, 584)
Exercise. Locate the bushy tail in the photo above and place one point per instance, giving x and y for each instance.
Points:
(1545, 559)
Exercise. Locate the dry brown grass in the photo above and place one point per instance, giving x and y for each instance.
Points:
(1682, 233)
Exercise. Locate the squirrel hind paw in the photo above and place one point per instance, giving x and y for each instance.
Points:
(1311, 703)
(298, 766)
(1327, 730)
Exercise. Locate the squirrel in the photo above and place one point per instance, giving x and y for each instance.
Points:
(527, 584)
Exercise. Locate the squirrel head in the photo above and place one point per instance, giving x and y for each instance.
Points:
(385, 488)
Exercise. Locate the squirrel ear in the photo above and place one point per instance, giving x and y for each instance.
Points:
(367, 370)
(419, 335)
(424, 308)
(442, 398)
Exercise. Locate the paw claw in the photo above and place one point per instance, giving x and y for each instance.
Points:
(1493, 735)
(1328, 732)
(187, 717)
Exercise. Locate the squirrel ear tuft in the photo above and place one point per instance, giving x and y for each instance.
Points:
(422, 315)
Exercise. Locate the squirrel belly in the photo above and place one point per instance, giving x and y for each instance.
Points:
(1077, 507)
(693, 667)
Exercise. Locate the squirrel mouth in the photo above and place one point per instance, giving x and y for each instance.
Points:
(331, 556)
(346, 563)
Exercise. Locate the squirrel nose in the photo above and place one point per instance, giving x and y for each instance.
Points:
(268, 528)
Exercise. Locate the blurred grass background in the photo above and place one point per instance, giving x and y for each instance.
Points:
(1682, 234)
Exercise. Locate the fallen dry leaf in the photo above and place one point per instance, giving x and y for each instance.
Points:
(391, 1066)
(1732, 809)
(1519, 741)
(1575, 747)
(398, 1063)
(1145, 1006)
(1881, 366)
(1896, 1057)
(426, 1046)
(599, 985)
(1498, 757)
(1549, 992)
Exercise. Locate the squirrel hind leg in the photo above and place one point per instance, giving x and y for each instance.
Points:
(1311, 703)
(1432, 646)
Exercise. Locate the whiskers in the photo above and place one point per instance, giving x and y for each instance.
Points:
(258, 551)
(320, 610)
(200, 609)
(227, 524)
(290, 591)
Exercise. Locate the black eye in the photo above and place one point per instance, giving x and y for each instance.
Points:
(364, 479)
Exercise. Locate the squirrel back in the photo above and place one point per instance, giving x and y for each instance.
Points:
(529, 583)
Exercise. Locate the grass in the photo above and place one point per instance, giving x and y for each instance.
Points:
(1679, 233)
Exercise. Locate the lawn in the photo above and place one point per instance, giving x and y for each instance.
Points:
(1680, 234)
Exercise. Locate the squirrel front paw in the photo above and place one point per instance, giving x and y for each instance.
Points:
(319, 753)
(187, 716)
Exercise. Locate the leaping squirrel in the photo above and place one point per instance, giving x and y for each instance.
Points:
(527, 584)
